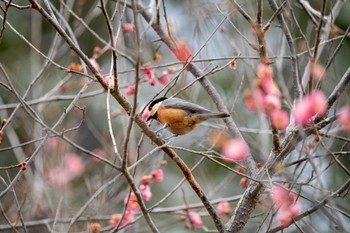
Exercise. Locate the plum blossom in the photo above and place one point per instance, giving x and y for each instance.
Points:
(235, 150)
(195, 219)
(279, 119)
(254, 100)
(269, 87)
(158, 175)
(171, 70)
(224, 208)
(146, 192)
(146, 180)
(132, 203)
(148, 72)
(286, 203)
(272, 102)
(313, 105)
(264, 71)
(182, 51)
(145, 114)
(284, 216)
(115, 219)
(128, 27)
(130, 90)
(164, 78)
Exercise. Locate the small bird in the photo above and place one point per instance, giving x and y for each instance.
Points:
(180, 116)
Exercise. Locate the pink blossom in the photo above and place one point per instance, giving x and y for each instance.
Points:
(224, 208)
(279, 119)
(128, 27)
(130, 90)
(235, 150)
(264, 71)
(115, 219)
(344, 118)
(281, 197)
(152, 82)
(132, 204)
(195, 219)
(254, 100)
(171, 70)
(145, 114)
(313, 105)
(286, 203)
(319, 103)
(74, 164)
(243, 182)
(182, 51)
(272, 102)
(158, 175)
(284, 216)
(146, 192)
(97, 50)
(270, 87)
(146, 180)
(302, 112)
(110, 81)
(164, 78)
(128, 217)
(149, 72)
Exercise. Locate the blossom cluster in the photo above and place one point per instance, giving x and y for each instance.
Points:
(131, 202)
(265, 96)
(310, 107)
(286, 203)
(232, 149)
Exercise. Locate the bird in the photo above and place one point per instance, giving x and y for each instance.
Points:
(180, 116)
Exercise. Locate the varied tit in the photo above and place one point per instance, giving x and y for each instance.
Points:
(179, 116)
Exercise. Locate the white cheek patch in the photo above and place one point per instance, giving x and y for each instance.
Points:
(155, 109)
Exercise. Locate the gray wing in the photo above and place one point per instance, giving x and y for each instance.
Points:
(184, 105)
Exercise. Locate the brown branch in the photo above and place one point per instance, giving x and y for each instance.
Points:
(5, 11)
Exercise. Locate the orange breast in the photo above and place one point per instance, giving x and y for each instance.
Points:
(177, 120)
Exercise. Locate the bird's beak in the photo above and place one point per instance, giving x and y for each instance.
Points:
(149, 118)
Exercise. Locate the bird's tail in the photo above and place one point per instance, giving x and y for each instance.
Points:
(206, 116)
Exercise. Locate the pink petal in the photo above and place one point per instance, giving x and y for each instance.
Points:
(235, 150)
(195, 219)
